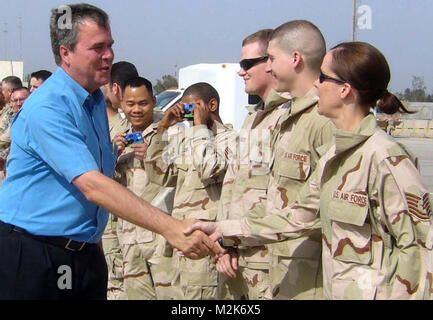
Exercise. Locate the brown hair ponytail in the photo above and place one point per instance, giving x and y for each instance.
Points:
(390, 104)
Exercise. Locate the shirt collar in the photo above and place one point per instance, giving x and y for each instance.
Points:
(82, 94)
(345, 140)
(276, 99)
(305, 102)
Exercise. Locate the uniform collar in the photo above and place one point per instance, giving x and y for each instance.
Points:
(345, 140)
(255, 107)
(275, 99)
(218, 127)
(305, 102)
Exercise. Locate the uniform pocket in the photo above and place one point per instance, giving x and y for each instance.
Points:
(192, 180)
(293, 166)
(351, 232)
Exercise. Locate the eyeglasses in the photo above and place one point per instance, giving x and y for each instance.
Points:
(323, 77)
(249, 63)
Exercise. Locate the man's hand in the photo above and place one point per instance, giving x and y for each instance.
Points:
(140, 149)
(195, 244)
(120, 141)
(210, 228)
(174, 115)
(228, 263)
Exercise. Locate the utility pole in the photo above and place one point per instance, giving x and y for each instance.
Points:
(354, 21)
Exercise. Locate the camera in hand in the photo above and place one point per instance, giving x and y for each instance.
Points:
(135, 137)
(188, 110)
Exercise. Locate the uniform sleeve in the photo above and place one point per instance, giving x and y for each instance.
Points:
(160, 160)
(297, 220)
(404, 206)
(212, 154)
(54, 137)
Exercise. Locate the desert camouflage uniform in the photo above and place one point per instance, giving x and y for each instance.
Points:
(244, 194)
(195, 161)
(5, 137)
(3, 113)
(110, 242)
(118, 125)
(295, 271)
(147, 273)
(375, 215)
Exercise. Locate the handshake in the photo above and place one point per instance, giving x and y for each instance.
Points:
(225, 258)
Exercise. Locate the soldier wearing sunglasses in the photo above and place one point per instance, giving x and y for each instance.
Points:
(245, 184)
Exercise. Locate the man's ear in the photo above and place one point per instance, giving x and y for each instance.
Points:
(154, 101)
(297, 59)
(117, 91)
(64, 54)
(213, 105)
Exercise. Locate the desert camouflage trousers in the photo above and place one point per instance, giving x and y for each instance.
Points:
(194, 279)
(114, 258)
(286, 283)
(249, 284)
(148, 274)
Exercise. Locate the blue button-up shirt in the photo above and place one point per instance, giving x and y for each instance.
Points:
(60, 133)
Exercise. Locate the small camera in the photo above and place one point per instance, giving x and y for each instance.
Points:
(135, 137)
(188, 110)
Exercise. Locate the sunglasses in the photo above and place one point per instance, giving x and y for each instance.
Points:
(323, 77)
(249, 63)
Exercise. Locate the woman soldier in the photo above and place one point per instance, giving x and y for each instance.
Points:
(374, 207)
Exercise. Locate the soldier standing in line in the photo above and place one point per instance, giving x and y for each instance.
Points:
(146, 272)
(120, 72)
(296, 51)
(366, 194)
(245, 184)
(194, 161)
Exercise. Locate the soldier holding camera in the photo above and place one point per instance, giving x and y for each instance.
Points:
(194, 161)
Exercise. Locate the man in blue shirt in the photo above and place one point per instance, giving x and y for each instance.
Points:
(54, 202)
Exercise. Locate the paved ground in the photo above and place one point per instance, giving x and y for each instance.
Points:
(423, 148)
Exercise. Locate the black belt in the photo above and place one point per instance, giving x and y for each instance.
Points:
(61, 242)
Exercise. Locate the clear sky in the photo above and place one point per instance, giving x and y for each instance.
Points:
(157, 35)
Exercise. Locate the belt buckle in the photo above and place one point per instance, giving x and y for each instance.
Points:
(72, 249)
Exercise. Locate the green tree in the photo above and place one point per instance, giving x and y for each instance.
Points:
(418, 92)
(165, 83)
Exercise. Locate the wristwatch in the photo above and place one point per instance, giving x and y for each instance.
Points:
(227, 243)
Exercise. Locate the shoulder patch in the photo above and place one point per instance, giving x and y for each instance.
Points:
(419, 207)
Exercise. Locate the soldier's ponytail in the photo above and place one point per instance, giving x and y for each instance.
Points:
(390, 104)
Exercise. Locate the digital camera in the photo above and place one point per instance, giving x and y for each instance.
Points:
(135, 137)
(188, 110)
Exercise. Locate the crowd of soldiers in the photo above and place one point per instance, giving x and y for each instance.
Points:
(264, 186)
(12, 97)
(203, 169)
